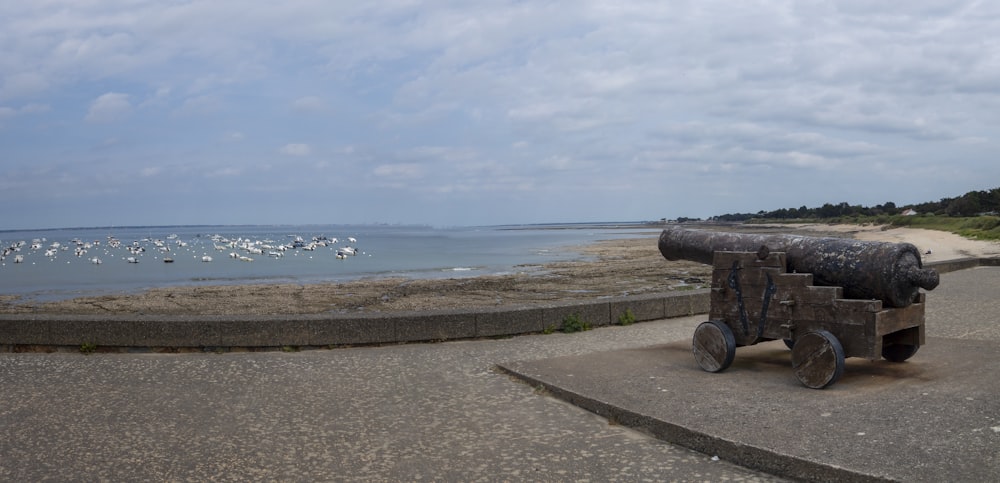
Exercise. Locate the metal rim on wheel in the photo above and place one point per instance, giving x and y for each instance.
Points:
(818, 359)
(714, 346)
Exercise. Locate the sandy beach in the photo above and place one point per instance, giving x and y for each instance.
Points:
(609, 268)
(934, 245)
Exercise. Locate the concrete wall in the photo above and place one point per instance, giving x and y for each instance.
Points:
(945, 266)
(332, 330)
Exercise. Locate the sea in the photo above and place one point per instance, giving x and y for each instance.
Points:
(56, 264)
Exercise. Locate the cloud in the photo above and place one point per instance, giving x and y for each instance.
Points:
(309, 104)
(397, 171)
(9, 112)
(159, 98)
(109, 107)
(35, 108)
(24, 84)
(559, 163)
(200, 105)
(649, 104)
(224, 172)
(296, 149)
(148, 171)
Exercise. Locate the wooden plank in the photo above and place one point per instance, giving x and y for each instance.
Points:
(820, 295)
(805, 303)
(725, 260)
(896, 319)
(856, 312)
(858, 305)
(749, 279)
(794, 280)
(855, 339)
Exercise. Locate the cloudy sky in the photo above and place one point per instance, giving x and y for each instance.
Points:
(133, 112)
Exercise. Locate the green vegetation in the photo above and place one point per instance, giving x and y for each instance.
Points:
(88, 348)
(977, 227)
(549, 329)
(573, 323)
(541, 390)
(626, 318)
(289, 348)
(972, 215)
(971, 204)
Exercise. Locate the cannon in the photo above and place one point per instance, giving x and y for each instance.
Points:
(826, 298)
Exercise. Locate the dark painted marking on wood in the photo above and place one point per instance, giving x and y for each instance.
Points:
(734, 283)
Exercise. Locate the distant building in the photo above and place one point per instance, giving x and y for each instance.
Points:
(909, 212)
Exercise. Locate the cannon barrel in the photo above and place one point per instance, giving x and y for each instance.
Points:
(890, 272)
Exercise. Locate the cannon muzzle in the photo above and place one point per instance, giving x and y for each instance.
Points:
(890, 272)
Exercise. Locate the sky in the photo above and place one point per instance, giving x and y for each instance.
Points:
(458, 113)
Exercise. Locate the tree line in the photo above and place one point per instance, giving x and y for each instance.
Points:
(973, 203)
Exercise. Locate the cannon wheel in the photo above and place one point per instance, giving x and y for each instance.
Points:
(818, 359)
(714, 346)
(899, 352)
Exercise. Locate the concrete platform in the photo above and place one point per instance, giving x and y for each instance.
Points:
(935, 417)
(928, 419)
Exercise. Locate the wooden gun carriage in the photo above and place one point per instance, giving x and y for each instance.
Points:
(866, 302)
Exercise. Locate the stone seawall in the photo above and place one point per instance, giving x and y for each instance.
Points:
(330, 330)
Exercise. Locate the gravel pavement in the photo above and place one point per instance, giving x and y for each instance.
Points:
(394, 413)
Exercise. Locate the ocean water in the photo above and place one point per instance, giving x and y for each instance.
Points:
(62, 263)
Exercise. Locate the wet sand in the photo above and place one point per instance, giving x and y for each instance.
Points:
(612, 268)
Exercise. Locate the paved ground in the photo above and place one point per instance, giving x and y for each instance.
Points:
(443, 412)
(399, 413)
